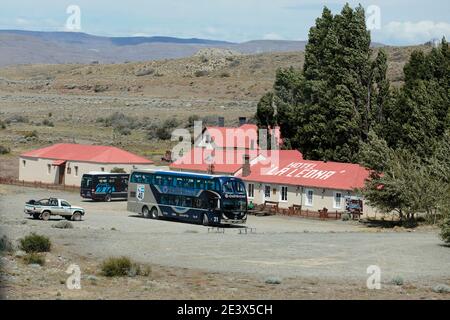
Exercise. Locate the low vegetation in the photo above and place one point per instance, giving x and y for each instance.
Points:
(34, 258)
(31, 135)
(398, 281)
(164, 130)
(123, 267)
(6, 245)
(445, 230)
(118, 170)
(4, 150)
(17, 119)
(63, 225)
(35, 243)
(345, 109)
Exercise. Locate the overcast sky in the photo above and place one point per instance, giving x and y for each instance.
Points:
(402, 21)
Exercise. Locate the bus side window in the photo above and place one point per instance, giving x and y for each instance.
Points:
(200, 184)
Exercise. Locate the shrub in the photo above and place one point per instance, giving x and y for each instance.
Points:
(100, 88)
(48, 123)
(123, 131)
(4, 150)
(116, 267)
(119, 121)
(2, 125)
(144, 72)
(225, 74)
(163, 133)
(31, 135)
(118, 170)
(273, 280)
(63, 225)
(35, 243)
(192, 119)
(445, 230)
(17, 119)
(34, 258)
(6, 245)
(201, 73)
(398, 281)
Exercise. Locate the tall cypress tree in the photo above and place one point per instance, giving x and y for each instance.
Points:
(329, 107)
(420, 113)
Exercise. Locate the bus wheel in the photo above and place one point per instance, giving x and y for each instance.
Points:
(108, 198)
(145, 213)
(205, 220)
(154, 213)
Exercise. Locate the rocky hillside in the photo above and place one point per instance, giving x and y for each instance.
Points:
(211, 73)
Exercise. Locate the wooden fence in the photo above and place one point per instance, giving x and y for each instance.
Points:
(38, 184)
(297, 211)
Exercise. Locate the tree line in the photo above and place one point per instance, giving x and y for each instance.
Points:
(342, 107)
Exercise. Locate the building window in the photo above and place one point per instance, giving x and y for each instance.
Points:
(284, 194)
(69, 170)
(309, 198)
(337, 200)
(251, 190)
(24, 163)
(76, 171)
(49, 168)
(267, 192)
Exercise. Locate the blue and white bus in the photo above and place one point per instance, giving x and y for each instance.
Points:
(189, 197)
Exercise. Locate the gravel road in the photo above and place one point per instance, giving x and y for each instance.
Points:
(282, 247)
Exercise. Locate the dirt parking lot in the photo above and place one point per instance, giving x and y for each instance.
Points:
(330, 254)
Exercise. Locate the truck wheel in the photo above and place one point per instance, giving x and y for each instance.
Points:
(145, 213)
(108, 198)
(76, 216)
(45, 215)
(205, 220)
(154, 213)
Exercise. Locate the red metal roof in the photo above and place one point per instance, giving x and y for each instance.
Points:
(225, 161)
(87, 153)
(291, 169)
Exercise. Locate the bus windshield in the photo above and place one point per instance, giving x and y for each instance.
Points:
(86, 182)
(233, 187)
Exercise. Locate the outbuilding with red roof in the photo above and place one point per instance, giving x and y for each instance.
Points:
(65, 163)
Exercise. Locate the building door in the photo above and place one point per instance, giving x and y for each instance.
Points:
(62, 171)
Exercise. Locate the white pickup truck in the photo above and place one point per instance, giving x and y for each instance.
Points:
(45, 208)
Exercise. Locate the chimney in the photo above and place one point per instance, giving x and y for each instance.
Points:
(221, 122)
(242, 121)
(246, 167)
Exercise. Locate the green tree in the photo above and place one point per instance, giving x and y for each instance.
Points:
(327, 109)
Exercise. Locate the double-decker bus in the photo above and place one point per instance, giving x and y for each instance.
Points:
(103, 186)
(189, 197)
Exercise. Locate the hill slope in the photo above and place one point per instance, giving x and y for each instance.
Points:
(32, 47)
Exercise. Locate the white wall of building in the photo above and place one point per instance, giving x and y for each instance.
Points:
(42, 170)
(313, 199)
